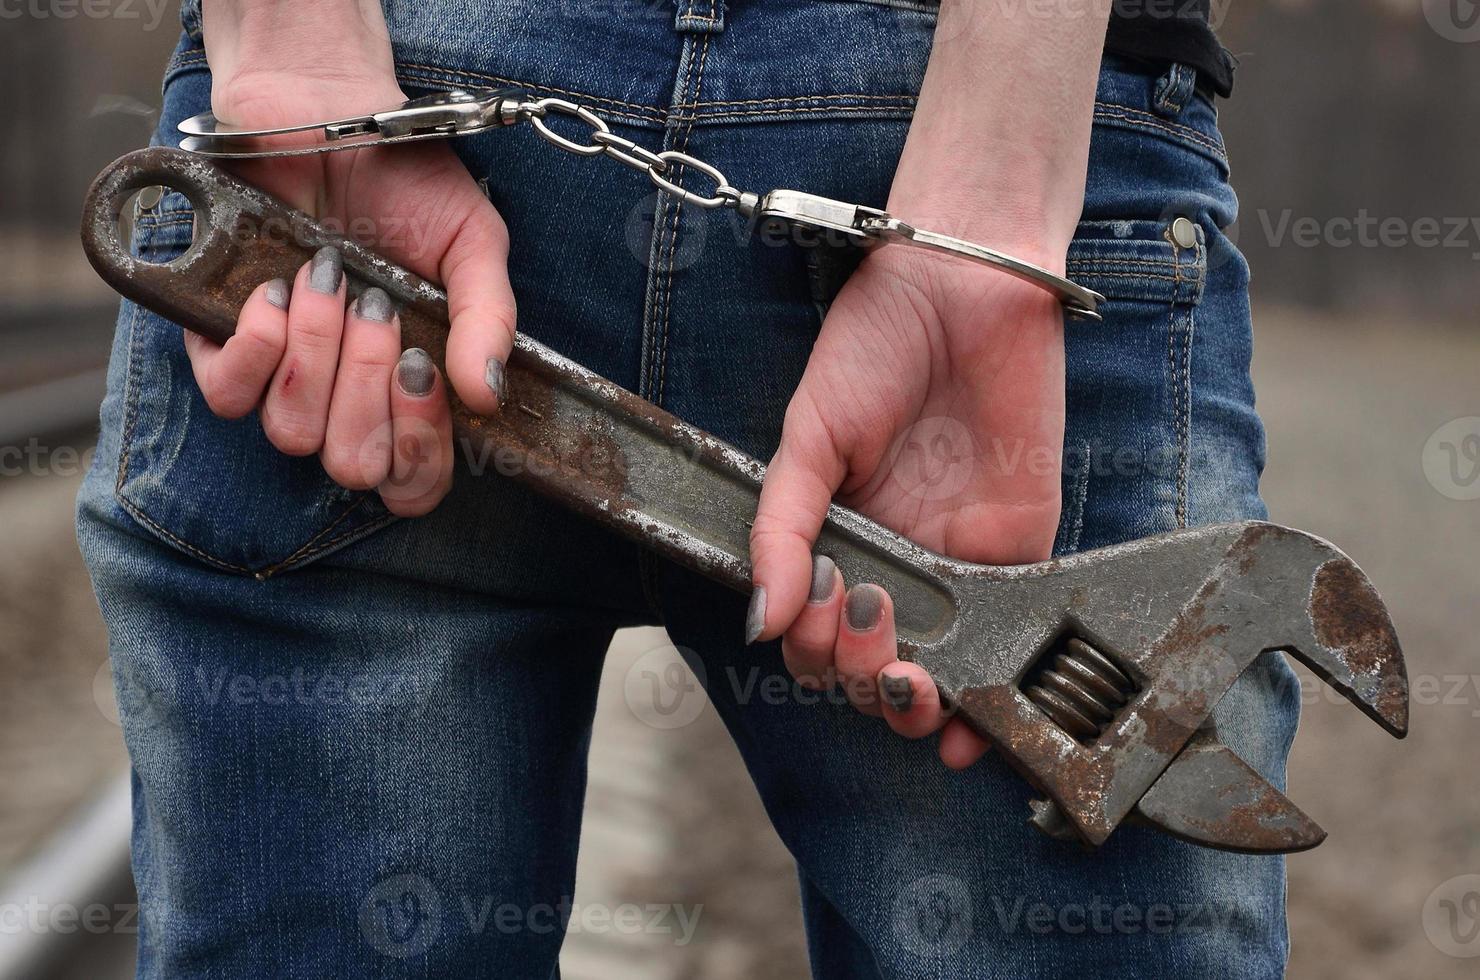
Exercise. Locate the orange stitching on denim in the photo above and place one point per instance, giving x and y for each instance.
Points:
(792, 112)
(1108, 260)
(307, 550)
(139, 515)
(130, 404)
(654, 110)
(840, 96)
(367, 528)
(662, 353)
(1124, 114)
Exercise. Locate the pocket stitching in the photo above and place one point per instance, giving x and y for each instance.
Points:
(300, 555)
(307, 550)
(1136, 118)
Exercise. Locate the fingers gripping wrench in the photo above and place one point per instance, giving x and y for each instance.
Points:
(1094, 675)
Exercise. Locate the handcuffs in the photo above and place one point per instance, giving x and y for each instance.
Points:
(461, 112)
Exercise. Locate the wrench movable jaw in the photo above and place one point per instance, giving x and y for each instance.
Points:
(1205, 604)
(1209, 796)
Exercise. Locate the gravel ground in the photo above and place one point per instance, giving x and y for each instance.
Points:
(672, 819)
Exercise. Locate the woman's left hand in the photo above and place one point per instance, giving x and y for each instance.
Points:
(934, 403)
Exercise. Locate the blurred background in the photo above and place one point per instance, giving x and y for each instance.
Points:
(1347, 116)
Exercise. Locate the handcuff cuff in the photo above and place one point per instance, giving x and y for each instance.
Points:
(463, 112)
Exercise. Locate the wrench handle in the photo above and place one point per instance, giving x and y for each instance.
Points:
(569, 433)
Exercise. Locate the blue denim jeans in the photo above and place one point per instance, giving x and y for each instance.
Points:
(340, 723)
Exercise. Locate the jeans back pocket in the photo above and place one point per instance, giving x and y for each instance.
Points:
(213, 488)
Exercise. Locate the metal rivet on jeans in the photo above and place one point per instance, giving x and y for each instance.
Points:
(1184, 233)
(150, 197)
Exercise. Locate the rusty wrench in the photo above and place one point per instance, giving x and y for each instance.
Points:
(1094, 675)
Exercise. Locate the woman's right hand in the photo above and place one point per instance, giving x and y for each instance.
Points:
(326, 379)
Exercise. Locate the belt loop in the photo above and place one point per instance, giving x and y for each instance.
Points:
(1174, 89)
(700, 17)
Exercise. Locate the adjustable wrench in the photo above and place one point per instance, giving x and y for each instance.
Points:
(1094, 674)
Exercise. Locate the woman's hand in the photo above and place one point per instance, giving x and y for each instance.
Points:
(328, 380)
(933, 403)
(934, 399)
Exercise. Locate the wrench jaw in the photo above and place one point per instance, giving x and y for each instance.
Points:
(1210, 796)
(1199, 608)
(1351, 643)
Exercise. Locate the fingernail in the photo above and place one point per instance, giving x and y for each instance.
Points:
(415, 372)
(374, 304)
(824, 579)
(899, 692)
(327, 271)
(864, 607)
(277, 293)
(755, 617)
(493, 376)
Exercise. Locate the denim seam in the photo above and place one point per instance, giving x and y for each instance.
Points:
(677, 212)
(1184, 448)
(138, 514)
(651, 113)
(1077, 503)
(1135, 276)
(683, 134)
(308, 550)
(1139, 119)
(879, 112)
(1179, 361)
(1102, 259)
(170, 223)
(787, 99)
(656, 320)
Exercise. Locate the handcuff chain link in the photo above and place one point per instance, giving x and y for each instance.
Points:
(604, 142)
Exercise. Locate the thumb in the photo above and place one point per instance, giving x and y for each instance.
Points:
(798, 488)
(480, 303)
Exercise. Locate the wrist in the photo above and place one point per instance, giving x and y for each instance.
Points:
(963, 294)
(276, 62)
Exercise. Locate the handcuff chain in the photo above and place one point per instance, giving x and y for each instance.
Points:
(603, 142)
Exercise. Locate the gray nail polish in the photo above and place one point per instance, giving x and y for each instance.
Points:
(864, 607)
(327, 271)
(493, 376)
(277, 293)
(374, 304)
(415, 372)
(823, 579)
(898, 692)
(755, 617)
